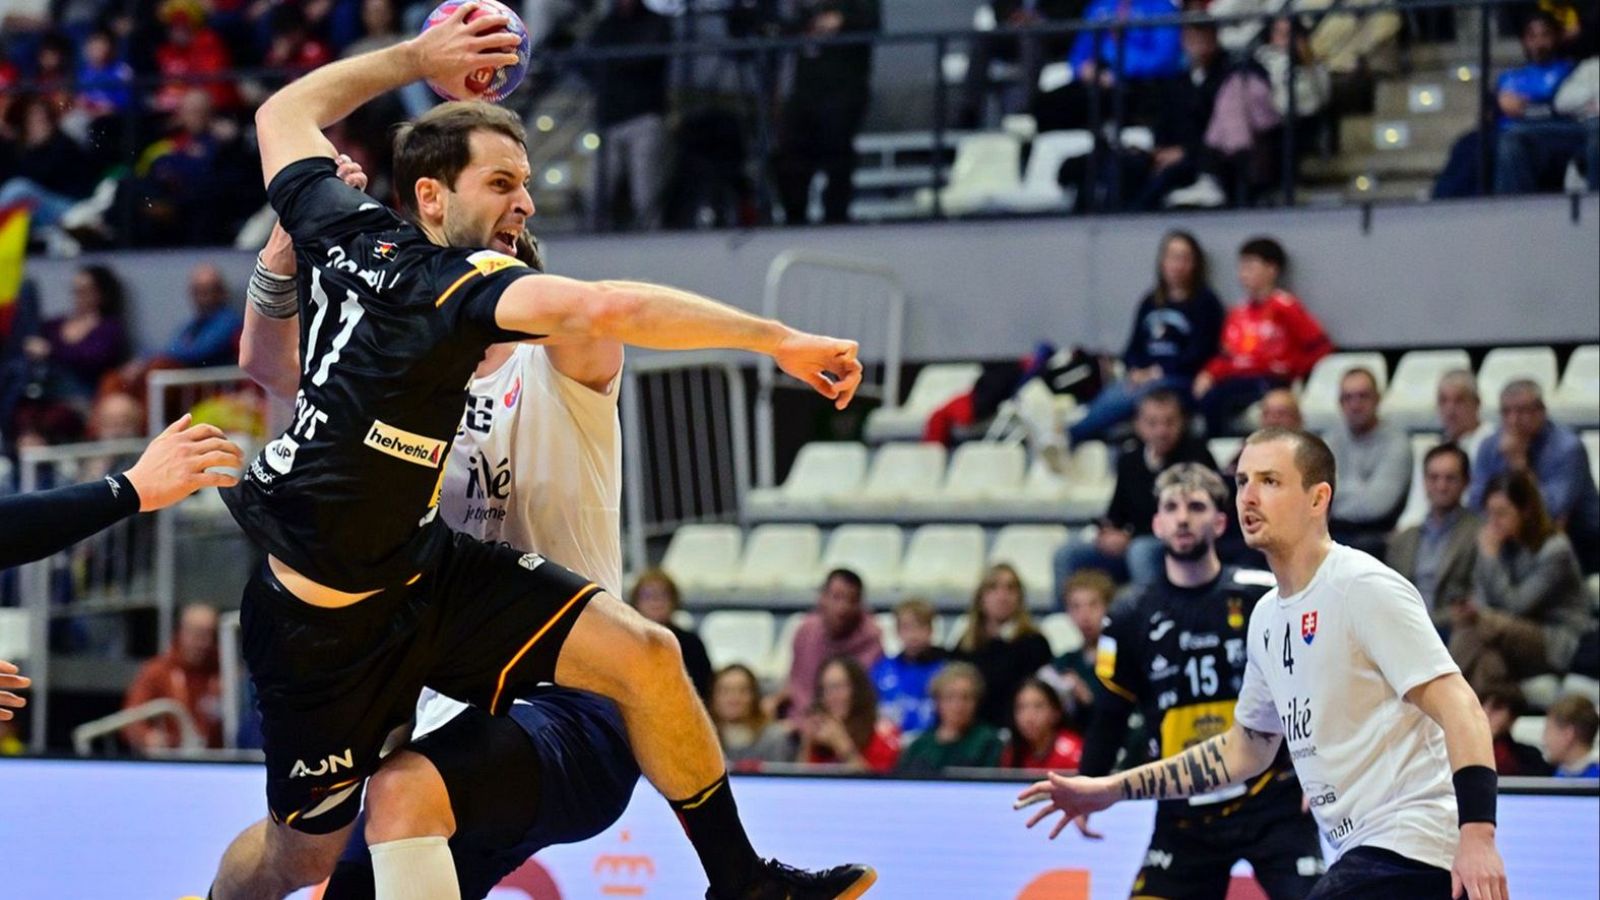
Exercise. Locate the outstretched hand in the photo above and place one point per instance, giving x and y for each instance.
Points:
(174, 465)
(1073, 797)
(828, 364)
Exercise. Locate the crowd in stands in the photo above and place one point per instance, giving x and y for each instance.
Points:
(130, 125)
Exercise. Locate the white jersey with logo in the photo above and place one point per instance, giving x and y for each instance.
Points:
(1328, 669)
(537, 465)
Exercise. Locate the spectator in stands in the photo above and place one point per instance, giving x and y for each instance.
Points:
(749, 738)
(1153, 54)
(1175, 332)
(1535, 144)
(960, 738)
(105, 94)
(1439, 555)
(826, 108)
(211, 338)
(1459, 409)
(1289, 44)
(1123, 544)
(1183, 170)
(1569, 729)
(1001, 641)
(843, 727)
(1528, 440)
(380, 28)
(1279, 408)
(1026, 53)
(1268, 341)
(838, 627)
(630, 111)
(1087, 597)
(80, 347)
(190, 48)
(293, 47)
(51, 172)
(655, 595)
(1039, 739)
(1502, 705)
(902, 681)
(1374, 464)
(1526, 615)
(188, 673)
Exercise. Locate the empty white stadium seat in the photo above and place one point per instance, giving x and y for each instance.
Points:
(738, 636)
(943, 562)
(988, 167)
(1412, 398)
(1583, 686)
(1528, 730)
(871, 551)
(1319, 402)
(955, 629)
(14, 635)
(1576, 400)
(1506, 364)
(1041, 190)
(780, 557)
(902, 472)
(982, 472)
(1591, 447)
(935, 385)
(1224, 449)
(1030, 549)
(1541, 691)
(703, 557)
(891, 634)
(776, 669)
(823, 472)
(1064, 637)
(1417, 499)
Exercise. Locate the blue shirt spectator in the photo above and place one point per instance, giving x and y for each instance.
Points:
(211, 337)
(105, 82)
(902, 684)
(1536, 82)
(1528, 439)
(1528, 92)
(1151, 52)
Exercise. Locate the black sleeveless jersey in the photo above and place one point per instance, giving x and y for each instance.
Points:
(1178, 655)
(391, 328)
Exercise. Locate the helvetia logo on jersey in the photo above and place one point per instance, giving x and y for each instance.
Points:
(488, 262)
(400, 444)
(1308, 626)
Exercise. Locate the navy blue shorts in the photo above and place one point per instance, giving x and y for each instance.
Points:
(556, 769)
(1373, 873)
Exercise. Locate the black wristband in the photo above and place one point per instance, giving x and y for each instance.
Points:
(123, 492)
(1477, 790)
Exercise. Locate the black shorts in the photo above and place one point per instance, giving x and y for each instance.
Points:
(1373, 873)
(485, 624)
(557, 769)
(1191, 859)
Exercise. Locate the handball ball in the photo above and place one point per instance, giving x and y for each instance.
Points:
(488, 83)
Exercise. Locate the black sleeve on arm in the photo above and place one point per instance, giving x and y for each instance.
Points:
(470, 286)
(312, 202)
(33, 526)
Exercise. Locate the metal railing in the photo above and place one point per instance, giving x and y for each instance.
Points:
(760, 60)
(685, 444)
(831, 294)
(189, 740)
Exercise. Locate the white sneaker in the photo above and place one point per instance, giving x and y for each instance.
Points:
(1205, 193)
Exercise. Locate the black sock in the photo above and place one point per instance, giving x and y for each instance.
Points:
(711, 820)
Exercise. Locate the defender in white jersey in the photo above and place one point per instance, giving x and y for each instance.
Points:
(1343, 665)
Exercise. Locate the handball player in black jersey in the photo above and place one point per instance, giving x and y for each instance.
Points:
(366, 596)
(1176, 653)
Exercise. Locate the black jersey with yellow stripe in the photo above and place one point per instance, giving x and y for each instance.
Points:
(1178, 656)
(391, 328)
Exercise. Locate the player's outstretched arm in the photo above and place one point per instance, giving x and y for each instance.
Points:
(664, 318)
(10, 679)
(289, 125)
(1236, 755)
(1450, 701)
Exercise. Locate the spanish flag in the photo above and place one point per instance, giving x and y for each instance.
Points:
(13, 249)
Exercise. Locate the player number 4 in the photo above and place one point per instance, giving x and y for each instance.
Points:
(1288, 649)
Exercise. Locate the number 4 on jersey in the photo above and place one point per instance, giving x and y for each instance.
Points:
(1288, 649)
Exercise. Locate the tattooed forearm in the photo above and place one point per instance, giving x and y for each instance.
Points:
(1198, 770)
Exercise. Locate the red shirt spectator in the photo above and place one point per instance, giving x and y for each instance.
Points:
(1271, 336)
(843, 727)
(839, 627)
(1038, 739)
(188, 673)
(191, 49)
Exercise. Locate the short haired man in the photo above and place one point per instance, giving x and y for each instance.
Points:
(839, 626)
(1460, 411)
(1528, 439)
(1176, 654)
(1374, 462)
(1345, 667)
(1438, 554)
(1569, 729)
